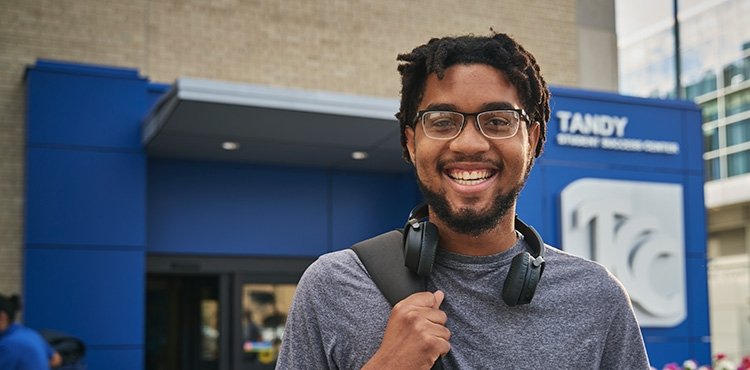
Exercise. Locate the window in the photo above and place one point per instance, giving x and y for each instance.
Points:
(264, 311)
(711, 139)
(738, 132)
(738, 102)
(713, 171)
(738, 163)
(705, 85)
(710, 111)
(209, 329)
(737, 72)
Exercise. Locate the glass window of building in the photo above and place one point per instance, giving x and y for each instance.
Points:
(711, 139)
(738, 102)
(737, 72)
(714, 56)
(710, 111)
(738, 163)
(737, 133)
(647, 67)
(713, 169)
(209, 329)
(264, 311)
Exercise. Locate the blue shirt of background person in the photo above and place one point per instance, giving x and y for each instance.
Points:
(22, 348)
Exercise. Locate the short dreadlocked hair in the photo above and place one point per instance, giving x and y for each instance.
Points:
(497, 50)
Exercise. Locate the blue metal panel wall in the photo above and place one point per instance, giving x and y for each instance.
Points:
(673, 121)
(85, 191)
(364, 205)
(221, 208)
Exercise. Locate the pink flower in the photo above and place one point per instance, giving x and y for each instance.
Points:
(745, 364)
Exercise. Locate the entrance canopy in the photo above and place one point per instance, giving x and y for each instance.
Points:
(210, 120)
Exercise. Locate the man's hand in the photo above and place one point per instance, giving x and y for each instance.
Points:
(415, 336)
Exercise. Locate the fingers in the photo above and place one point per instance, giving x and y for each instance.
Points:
(423, 305)
(415, 335)
(424, 299)
(439, 296)
(420, 309)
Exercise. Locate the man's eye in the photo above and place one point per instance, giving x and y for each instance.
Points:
(443, 123)
(497, 122)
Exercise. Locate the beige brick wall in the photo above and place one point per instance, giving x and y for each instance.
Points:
(337, 45)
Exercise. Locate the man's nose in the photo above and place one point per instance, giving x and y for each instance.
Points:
(470, 140)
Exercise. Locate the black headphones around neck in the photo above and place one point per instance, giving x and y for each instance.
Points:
(421, 241)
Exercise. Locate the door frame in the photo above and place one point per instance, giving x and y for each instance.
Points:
(233, 272)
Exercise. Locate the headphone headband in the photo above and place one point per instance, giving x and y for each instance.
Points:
(420, 246)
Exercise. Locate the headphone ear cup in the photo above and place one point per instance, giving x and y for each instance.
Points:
(522, 279)
(413, 246)
(428, 250)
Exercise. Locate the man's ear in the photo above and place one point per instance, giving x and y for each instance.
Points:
(409, 132)
(534, 132)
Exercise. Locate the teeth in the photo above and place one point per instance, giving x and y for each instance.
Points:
(470, 177)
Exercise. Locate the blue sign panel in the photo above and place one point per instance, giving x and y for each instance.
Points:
(616, 177)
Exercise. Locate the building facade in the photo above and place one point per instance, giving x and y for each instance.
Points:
(339, 46)
(714, 71)
(118, 200)
(187, 212)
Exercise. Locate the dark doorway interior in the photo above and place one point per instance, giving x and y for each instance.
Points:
(217, 313)
(182, 315)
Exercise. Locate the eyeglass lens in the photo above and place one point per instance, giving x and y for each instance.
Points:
(497, 124)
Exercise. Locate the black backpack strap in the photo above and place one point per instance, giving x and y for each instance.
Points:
(383, 257)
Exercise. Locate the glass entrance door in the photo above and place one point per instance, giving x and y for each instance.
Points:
(182, 315)
(264, 308)
(217, 313)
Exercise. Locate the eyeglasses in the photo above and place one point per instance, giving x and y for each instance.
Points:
(493, 124)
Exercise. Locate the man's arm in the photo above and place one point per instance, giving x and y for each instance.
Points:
(302, 344)
(624, 348)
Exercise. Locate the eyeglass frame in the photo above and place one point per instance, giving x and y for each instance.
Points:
(522, 115)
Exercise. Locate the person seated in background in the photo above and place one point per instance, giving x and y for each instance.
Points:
(22, 348)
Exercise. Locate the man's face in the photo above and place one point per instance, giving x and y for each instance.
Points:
(470, 181)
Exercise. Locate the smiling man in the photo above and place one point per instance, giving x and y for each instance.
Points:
(473, 119)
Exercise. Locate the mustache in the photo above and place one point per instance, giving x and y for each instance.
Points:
(475, 158)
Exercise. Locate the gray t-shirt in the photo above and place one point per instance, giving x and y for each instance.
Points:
(579, 318)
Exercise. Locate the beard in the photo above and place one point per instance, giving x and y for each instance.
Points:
(469, 221)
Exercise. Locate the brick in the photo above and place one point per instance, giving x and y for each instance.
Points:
(332, 45)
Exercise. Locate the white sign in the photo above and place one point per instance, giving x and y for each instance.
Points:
(636, 230)
(585, 130)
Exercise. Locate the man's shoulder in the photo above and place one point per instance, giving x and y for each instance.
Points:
(347, 258)
(580, 270)
(334, 275)
(345, 263)
(558, 256)
(332, 265)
